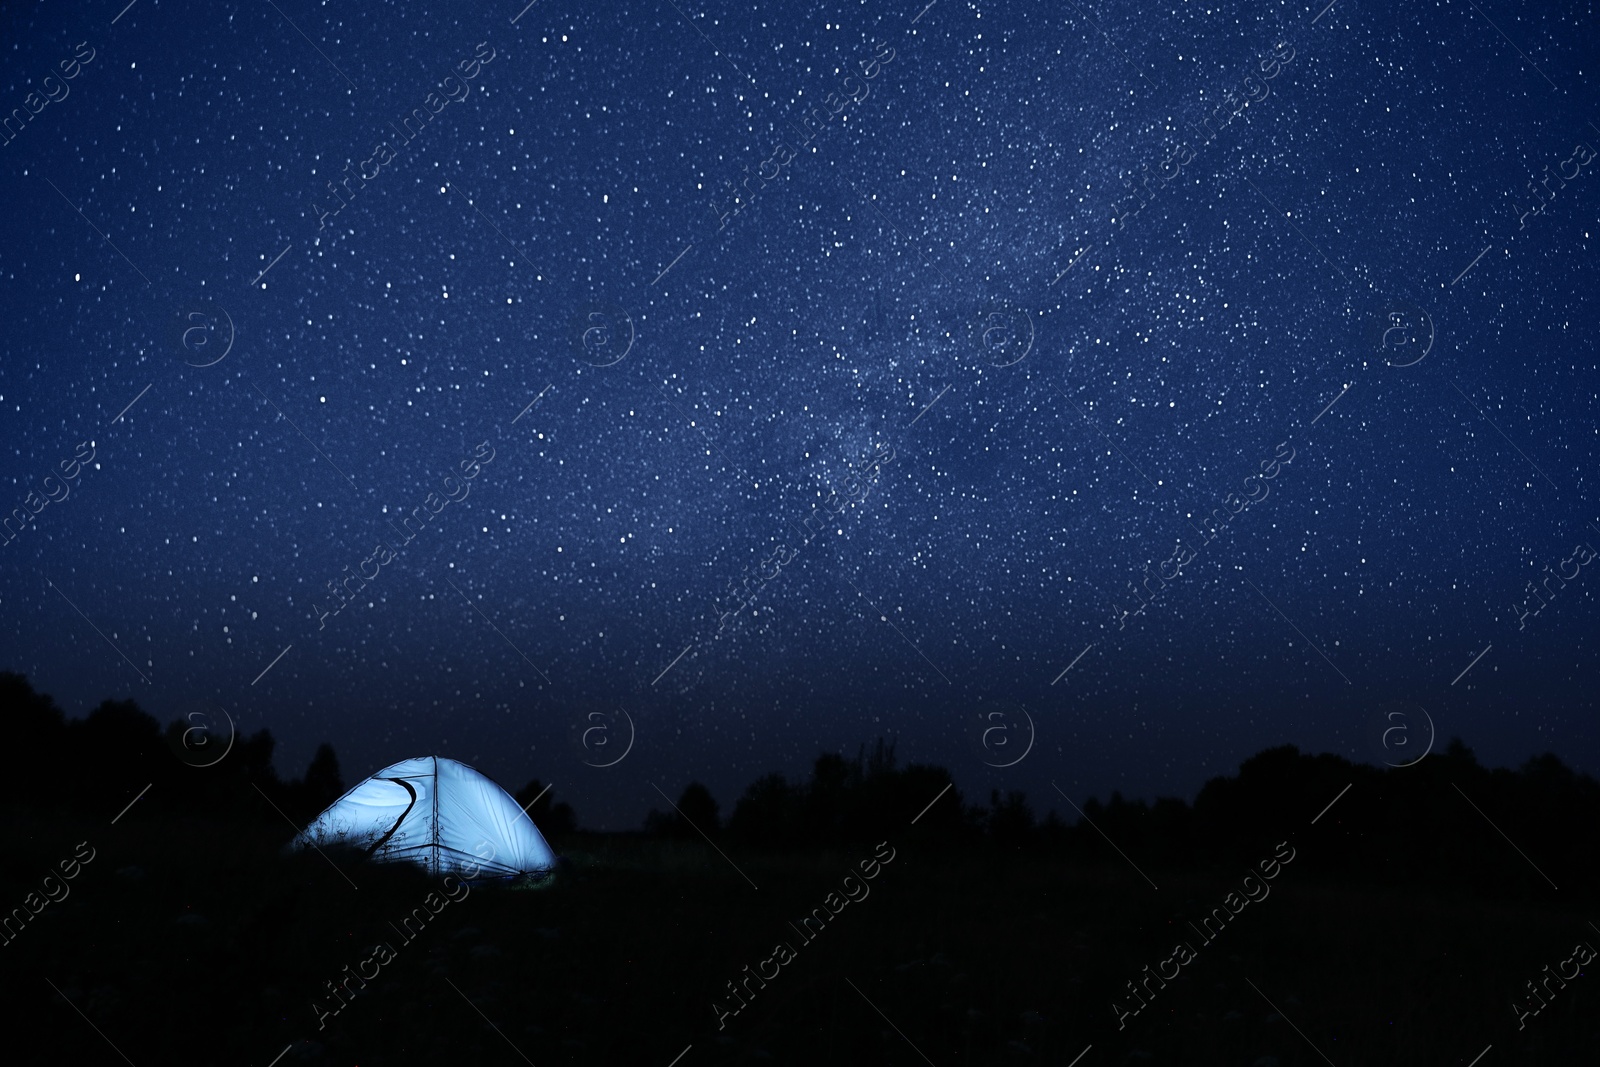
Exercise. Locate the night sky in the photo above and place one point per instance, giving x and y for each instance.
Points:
(1085, 393)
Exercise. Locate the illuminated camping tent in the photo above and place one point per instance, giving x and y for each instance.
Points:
(435, 812)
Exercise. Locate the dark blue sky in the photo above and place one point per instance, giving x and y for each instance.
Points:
(941, 328)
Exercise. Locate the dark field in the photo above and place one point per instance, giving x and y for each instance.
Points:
(191, 940)
(1306, 910)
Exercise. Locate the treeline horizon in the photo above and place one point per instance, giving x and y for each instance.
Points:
(1446, 820)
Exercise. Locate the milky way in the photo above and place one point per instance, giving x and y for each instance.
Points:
(1078, 394)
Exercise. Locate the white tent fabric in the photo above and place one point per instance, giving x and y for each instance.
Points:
(435, 812)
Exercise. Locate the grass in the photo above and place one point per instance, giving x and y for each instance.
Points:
(196, 940)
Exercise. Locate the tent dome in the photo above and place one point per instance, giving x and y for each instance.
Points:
(435, 812)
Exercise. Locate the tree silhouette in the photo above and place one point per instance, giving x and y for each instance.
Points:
(36, 730)
(698, 808)
(1010, 821)
(1425, 824)
(549, 818)
(696, 814)
(322, 784)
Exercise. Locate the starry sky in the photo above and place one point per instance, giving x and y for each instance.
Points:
(1084, 395)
